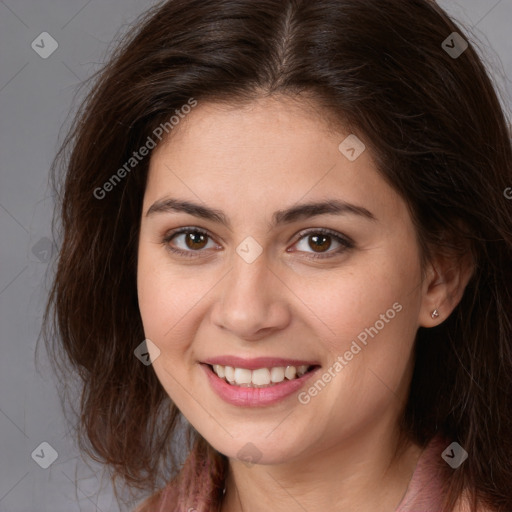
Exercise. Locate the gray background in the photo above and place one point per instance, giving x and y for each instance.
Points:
(35, 98)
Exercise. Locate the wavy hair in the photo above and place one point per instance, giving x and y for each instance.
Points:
(439, 136)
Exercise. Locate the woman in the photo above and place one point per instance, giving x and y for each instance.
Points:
(286, 233)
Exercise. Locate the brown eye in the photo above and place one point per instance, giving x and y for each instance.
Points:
(192, 240)
(319, 241)
(195, 239)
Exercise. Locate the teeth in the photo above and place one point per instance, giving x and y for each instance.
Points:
(262, 377)
(219, 370)
(229, 374)
(243, 376)
(290, 372)
(277, 374)
(301, 370)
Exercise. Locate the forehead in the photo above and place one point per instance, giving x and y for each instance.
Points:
(245, 155)
(263, 124)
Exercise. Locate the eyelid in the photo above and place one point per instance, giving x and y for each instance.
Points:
(168, 236)
(345, 241)
(326, 231)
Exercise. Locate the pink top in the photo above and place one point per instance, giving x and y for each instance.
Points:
(426, 488)
(424, 493)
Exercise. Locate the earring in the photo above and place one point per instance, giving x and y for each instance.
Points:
(435, 313)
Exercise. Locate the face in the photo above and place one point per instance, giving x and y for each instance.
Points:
(256, 282)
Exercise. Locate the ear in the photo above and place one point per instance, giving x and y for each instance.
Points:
(446, 278)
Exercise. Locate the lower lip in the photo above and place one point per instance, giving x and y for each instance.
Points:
(254, 397)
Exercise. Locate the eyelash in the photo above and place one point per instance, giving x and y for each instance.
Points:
(345, 242)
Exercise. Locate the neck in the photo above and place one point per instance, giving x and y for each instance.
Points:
(357, 474)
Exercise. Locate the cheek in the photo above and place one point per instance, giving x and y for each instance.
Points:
(160, 301)
(369, 317)
(170, 298)
(347, 302)
(164, 302)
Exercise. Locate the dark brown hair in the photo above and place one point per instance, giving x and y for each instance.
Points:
(438, 133)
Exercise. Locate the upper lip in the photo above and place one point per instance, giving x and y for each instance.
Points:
(257, 362)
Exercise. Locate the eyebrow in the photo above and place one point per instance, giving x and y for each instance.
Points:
(292, 214)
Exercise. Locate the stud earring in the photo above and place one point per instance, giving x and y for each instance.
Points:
(435, 313)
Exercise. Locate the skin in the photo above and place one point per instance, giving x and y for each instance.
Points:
(334, 453)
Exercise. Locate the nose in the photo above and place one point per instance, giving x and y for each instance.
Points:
(252, 300)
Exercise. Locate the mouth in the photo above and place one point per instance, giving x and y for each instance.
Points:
(265, 377)
(257, 382)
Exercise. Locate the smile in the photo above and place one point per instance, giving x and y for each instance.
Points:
(256, 382)
(261, 377)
